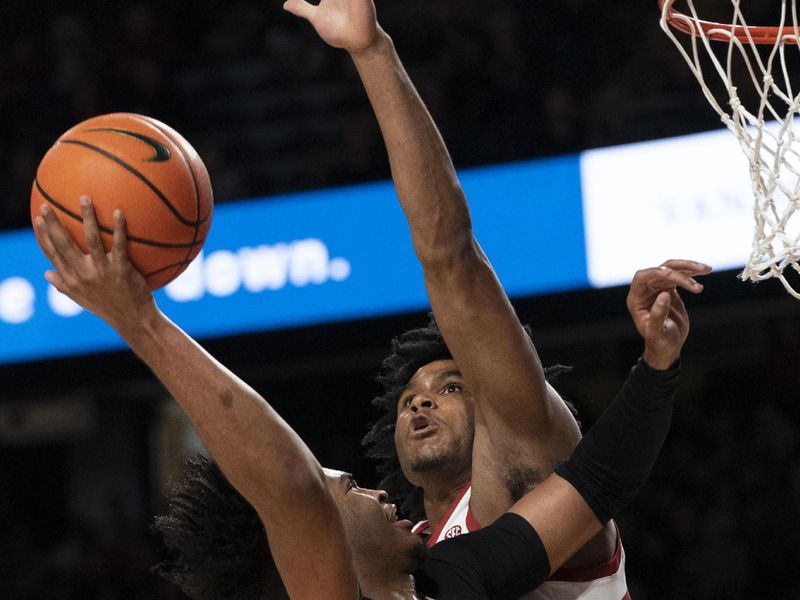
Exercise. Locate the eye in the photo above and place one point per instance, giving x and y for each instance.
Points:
(351, 484)
(450, 388)
(406, 401)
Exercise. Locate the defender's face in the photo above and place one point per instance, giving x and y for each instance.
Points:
(435, 422)
(378, 539)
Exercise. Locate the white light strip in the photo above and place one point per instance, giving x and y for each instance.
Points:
(684, 197)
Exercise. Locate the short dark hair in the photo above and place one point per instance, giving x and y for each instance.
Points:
(217, 540)
(410, 351)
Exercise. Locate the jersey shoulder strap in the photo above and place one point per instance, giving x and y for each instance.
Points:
(457, 520)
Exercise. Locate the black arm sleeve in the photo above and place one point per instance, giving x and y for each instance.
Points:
(614, 459)
(502, 561)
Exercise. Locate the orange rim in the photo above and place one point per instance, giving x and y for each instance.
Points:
(757, 34)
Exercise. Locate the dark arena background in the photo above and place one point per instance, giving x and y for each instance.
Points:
(88, 443)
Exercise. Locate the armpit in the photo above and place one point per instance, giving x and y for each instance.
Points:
(519, 481)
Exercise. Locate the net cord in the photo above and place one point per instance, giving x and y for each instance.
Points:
(769, 153)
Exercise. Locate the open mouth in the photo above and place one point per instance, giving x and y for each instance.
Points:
(420, 423)
(422, 427)
(390, 510)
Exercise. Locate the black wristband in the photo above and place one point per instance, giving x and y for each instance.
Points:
(503, 561)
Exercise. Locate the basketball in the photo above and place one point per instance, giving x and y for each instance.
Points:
(141, 166)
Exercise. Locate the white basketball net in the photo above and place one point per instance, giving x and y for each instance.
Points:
(765, 132)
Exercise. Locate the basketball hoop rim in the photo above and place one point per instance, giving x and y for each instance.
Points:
(747, 34)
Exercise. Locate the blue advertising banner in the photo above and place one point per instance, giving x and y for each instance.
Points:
(315, 257)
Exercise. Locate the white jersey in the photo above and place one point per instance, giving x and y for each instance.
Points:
(599, 582)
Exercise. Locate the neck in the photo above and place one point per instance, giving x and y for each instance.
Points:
(439, 496)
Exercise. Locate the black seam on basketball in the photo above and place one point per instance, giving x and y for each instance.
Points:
(136, 173)
(181, 263)
(131, 238)
(194, 182)
(181, 266)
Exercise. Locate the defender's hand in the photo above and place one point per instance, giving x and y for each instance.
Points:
(106, 284)
(348, 24)
(658, 311)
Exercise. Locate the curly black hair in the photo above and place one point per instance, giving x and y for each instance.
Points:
(410, 351)
(217, 540)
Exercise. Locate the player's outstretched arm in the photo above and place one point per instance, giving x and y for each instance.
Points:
(541, 531)
(518, 419)
(521, 549)
(259, 453)
(613, 460)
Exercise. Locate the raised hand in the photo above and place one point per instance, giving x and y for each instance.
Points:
(106, 284)
(348, 24)
(658, 311)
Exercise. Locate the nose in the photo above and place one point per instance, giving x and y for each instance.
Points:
(420, 401)
(379, 495)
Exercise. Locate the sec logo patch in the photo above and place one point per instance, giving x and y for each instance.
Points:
(454, 531)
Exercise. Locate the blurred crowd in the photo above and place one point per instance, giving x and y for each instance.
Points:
(271, 110)
(720, 517)
(84, 564)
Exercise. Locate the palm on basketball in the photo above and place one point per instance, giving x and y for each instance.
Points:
(348, 24)
(104, 283)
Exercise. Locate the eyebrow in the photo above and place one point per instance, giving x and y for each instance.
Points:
(437, 379)
(447, 375)
(347, 478)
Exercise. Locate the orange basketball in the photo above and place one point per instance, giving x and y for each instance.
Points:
(141, 166)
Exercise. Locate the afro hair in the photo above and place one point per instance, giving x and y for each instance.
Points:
(410, 351)
(217, 540)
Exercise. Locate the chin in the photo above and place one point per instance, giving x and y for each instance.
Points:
(424, 464)
(419, 550)
(428, 453)
(433, 458)
(416, 554)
